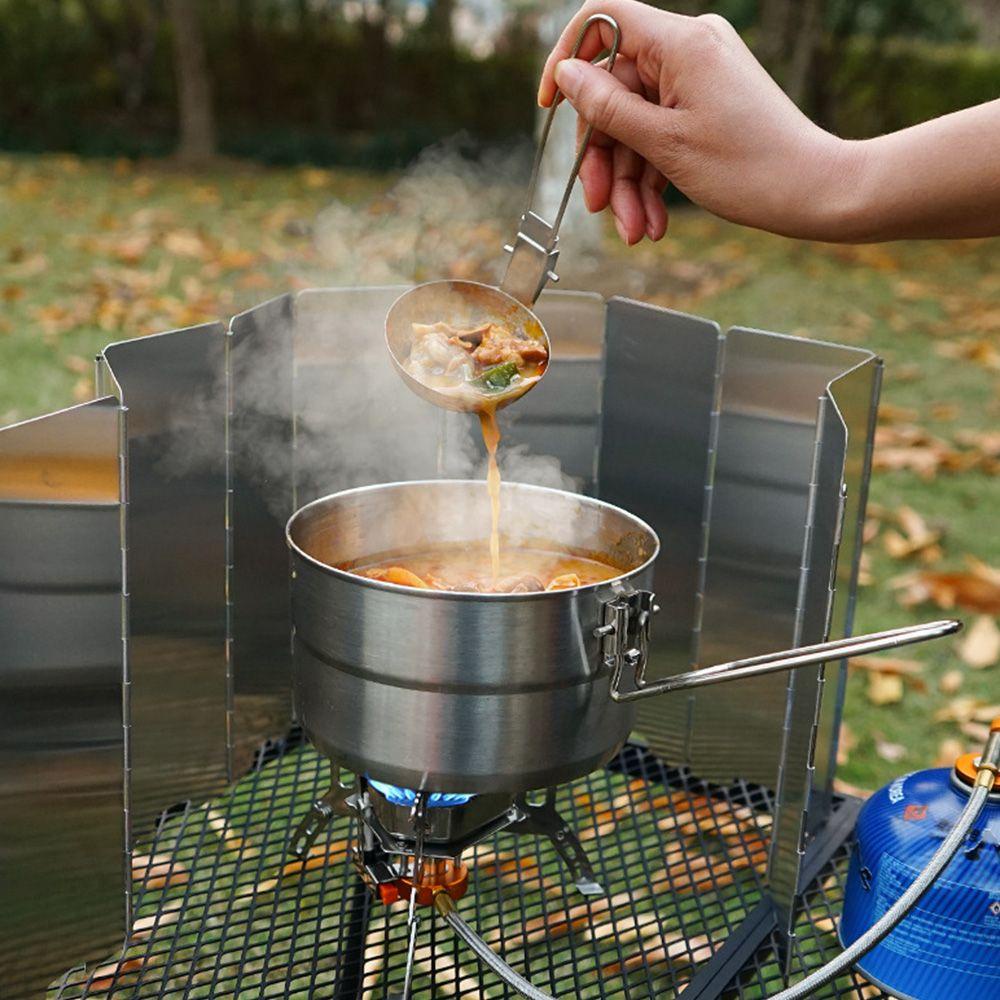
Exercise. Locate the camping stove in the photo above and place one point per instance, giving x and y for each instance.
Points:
(405, 839)
(146, 681)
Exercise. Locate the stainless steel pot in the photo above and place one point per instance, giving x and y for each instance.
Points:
(461, 692)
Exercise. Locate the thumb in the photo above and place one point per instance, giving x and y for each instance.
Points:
(606, 103)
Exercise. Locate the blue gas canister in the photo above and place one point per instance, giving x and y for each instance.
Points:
(948, 947)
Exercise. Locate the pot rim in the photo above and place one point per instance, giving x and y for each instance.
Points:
(467, 595)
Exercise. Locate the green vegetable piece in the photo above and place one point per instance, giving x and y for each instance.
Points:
(497, 378)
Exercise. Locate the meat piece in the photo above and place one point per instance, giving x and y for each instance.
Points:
(522, 583)
(565, 581)
(499, 346)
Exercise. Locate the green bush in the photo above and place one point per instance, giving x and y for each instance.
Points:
(327, 95)
(903, 82)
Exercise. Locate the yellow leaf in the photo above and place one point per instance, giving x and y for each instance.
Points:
(885, 689)
(980, 648)
(892, 752)
(949, 751)
(951, 681)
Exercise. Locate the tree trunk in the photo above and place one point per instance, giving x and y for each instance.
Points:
(439, 22)
(195, 115)
(805, 53)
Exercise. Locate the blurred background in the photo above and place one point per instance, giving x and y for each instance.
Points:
(166, 162)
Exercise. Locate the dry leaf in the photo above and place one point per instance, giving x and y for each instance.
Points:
(892, 752)
(908, 671)
(847, 742)
(949, 751)
(980, 648)
(977, 589)
(951, 681)
(982, 351)
(945, 412)
(889, 413)
(885, 689)
(185, 243)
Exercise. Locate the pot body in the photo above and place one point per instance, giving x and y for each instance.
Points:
(457, 692)
(946, 947)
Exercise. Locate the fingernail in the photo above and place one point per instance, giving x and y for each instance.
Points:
(650, 232)
(568, 76)
(621, 231)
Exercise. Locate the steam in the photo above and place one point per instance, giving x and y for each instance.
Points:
(355, 422)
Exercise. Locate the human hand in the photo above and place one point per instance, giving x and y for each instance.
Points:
(689, 104)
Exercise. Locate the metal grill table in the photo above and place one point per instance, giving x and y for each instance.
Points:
(222, 910)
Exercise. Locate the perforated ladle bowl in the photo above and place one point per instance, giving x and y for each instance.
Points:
(465, 304)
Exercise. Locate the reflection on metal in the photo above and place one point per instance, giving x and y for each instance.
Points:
(815, 697)
(62, 848)
(259, 498)
(656, 459)
(173, 386)
(742, 455)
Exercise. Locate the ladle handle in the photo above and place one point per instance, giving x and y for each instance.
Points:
(535, 249)
(628, 682)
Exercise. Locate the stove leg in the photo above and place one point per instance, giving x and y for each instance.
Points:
(541, 818)
(332, 803)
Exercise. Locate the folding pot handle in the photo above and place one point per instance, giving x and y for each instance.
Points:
(625, 632)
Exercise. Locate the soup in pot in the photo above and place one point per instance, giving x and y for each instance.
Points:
(469, 568)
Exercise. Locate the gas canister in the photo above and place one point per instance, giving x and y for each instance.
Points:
(948, 947)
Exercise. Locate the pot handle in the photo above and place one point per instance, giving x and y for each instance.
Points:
(624, 635)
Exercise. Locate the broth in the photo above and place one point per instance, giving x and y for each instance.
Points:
(469, 568)
(481, 364)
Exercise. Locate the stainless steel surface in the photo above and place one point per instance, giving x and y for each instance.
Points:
(535, 249)
(259, 500)
(657, 454)
(769, 663)
(456, 692)
(463, 304)
(63, 854)
(855, 398)
(838, 485)
(758, 556)
(173, 385)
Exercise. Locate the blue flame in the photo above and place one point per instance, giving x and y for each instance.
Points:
(407, 796)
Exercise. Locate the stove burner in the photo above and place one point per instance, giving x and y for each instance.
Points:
(408, 797)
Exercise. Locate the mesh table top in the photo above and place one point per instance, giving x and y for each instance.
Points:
(222, 910)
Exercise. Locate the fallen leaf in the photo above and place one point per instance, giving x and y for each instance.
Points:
(977, 589)
(983, 351)
(885, 689)
(949, 751)
(892, 752)
(906, 670)
(847, 742)
(185, 243)
(980, 648)
(945, 412)
(889, 413)
(951, 681)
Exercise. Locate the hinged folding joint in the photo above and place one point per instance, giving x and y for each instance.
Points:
(624, 634)
(533, 257)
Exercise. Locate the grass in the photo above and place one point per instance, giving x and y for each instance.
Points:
(96, 251)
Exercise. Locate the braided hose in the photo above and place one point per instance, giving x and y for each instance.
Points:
(985, 778)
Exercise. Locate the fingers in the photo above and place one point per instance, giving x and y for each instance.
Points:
(626, 201)
(641, 28)
(613, 108)
(596, 173)
(651, 189)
